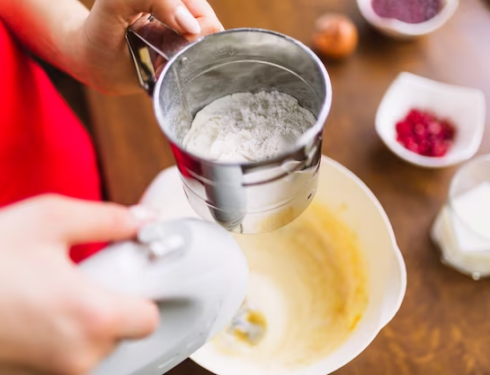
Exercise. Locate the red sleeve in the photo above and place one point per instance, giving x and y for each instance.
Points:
(43, 146)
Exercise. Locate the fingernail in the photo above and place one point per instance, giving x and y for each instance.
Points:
(143, 214)
(187, 21)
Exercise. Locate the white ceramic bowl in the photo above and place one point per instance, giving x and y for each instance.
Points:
(402, 30)
(347, 196)
(464, 106)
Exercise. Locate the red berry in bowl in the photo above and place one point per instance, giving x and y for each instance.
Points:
(423, 133)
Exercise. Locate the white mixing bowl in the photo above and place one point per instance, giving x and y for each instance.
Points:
(347, 196)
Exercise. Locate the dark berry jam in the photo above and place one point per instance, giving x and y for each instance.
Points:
(410, 11)
(425, 134)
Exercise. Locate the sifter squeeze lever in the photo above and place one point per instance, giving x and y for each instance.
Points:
(193, 270)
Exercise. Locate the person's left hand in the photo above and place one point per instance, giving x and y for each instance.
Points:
(103, 56)
(53, 318)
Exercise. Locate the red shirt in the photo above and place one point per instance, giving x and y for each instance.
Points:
(43, 146)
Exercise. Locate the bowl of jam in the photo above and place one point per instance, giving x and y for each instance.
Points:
(431, 124)
(406, 19)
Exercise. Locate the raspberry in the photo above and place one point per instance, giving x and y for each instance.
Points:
(435, 128)
(403, 127)
(439, 149)
(423, 133)
(420, 130)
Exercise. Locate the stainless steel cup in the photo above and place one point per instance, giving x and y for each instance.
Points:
(245, 197)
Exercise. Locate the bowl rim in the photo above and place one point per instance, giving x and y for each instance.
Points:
(449, 159)
(390, 311)
(404, 28)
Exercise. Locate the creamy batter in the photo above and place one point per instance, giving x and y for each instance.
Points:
(309, 282)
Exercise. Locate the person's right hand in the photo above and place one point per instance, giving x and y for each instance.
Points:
(91, 46)
(103, 58)
(53, 320)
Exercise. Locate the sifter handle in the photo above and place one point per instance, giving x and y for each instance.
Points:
(151, 44)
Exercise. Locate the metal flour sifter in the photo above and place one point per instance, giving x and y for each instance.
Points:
(183, 78)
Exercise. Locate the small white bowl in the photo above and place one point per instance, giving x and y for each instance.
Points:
(465, 107)
(403, 30)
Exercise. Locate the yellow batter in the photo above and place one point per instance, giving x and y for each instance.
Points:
(308, 281)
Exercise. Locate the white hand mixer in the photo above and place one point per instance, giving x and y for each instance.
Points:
(196, 273)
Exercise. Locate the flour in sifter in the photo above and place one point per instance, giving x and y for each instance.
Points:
(247, 127)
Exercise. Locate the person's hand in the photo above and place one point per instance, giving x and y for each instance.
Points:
(103, 52)
(53, 320)
(92, 46)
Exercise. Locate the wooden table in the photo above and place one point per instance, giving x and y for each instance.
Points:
(443, 326)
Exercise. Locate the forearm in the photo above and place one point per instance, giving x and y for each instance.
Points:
(51, 29)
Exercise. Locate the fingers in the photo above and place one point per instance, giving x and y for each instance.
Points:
(205, 14)
(208, 27)
(175, 15)
(114, 315)
(80, 222)
(74, 221)
(191, 18)
(135, 317)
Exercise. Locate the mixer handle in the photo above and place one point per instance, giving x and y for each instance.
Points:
(151, 44)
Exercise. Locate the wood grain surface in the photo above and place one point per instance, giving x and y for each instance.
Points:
(443, 326)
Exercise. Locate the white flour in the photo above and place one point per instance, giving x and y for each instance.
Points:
(247, 127)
